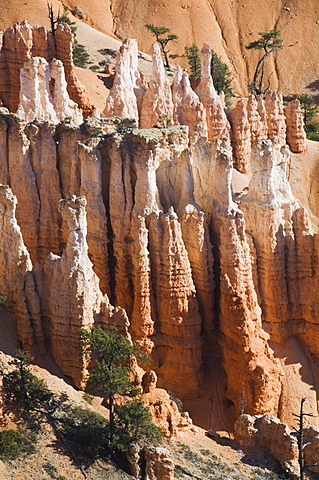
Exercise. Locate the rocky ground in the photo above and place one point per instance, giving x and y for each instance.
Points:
(195, 454)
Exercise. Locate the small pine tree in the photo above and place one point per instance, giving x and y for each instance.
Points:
(162, 41)
(110, 376)
(134, 424)
(193, 56)
(269, 42)
(222, 77)
(81, 58)
(310, 110)
(26, 388)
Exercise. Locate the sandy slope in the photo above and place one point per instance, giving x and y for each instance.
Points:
(227, 25)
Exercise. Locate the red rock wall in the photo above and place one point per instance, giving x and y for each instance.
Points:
(20, 42)
(168, 244)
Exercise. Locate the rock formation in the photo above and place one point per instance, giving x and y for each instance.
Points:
(16, 278)
(157, 106)
(77, 301)
(15, 50)
(159, 464)
(155, 463)
(282, 442)
(126, 93)
(35, 97)
(296, 135)
(166, 242)
(256, 113)
(269, 432)
(164, 411)
(275, 116)
(241, 137)
(64, 48)
(21, 43)
(63, 105)
(38, 100)
(188, 109)
(217, 122)
(311, 449)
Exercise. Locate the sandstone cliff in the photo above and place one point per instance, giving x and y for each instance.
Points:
(169, 246)
(140, 227)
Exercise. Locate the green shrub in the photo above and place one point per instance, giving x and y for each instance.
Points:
(310, 110)
(50, 469)
(134, 424)
(28, 390)
(193, 57)
(313, 136)
(81, 58)
(88, 398)
(87, 431)
(163, 121)
(13, 443)
(222, 77)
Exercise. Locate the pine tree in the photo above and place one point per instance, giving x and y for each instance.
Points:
(113, 356)
(30, 391)
(192, 54)
(269, 42)
(162, 41)
(310, 110)
(81, 58)
(222, 77)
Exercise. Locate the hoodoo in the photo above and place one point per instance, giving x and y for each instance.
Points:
(190, 228)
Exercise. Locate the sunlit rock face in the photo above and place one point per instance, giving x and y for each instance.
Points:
(241, 137)
(43, 93)
(188, 110)
(216, 118)
(275, 116)
(140, 228)
(126, 94)
(157, 106)
(296, 135)
(21, 45)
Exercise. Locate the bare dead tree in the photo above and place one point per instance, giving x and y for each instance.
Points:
(53, 19)
(302, 440)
